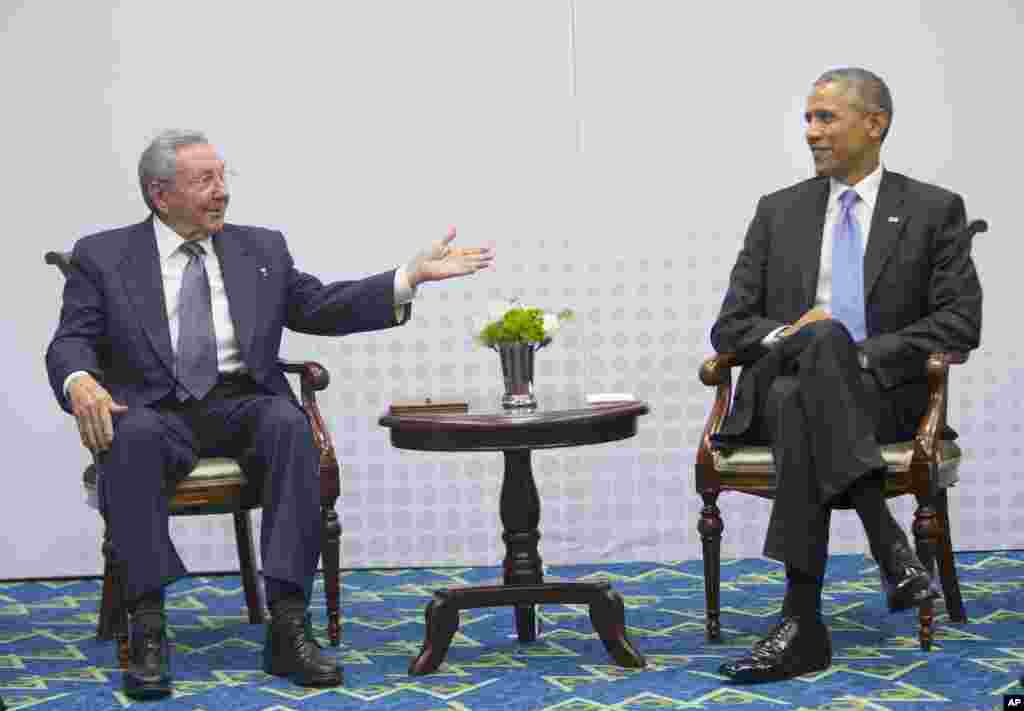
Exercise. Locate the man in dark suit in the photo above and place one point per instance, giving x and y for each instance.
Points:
(167, 351)
(844, 284)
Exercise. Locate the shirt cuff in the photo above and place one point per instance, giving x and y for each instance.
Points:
(404, 293)
(68, 380)
(774, 337)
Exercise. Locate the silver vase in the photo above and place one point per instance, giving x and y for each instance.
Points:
(517, 370)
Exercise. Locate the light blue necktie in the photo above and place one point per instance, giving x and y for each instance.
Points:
(848, 269)
(196, 361)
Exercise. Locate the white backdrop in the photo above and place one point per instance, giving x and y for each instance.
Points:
(612, 151)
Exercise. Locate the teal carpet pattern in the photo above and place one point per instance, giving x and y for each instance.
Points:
(50, 659)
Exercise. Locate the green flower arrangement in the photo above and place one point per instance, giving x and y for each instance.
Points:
(512, 322)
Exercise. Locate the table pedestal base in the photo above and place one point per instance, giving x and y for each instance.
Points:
(607, 614)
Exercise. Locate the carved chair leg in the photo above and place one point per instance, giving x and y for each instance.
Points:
(331, 556)
(947, 565)
(710, 528)
(247, 567)
(926, 538)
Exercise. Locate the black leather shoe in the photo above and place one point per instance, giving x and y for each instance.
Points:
(148, 675)
(904, 579)
(795, 646)
(291, 651)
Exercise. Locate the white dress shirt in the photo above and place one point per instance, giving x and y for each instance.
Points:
(173, 261)
(172, 268)
(863, 212)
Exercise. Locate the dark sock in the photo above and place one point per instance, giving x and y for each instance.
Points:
(149, 609)
(283, 591)
(803, 594)
(868, 497)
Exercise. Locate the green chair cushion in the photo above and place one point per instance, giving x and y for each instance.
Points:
(759, 460)
(208, 470)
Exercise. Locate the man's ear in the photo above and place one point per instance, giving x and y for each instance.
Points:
(878, 123)
(157, 195)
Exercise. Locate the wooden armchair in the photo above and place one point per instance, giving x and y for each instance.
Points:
(925, 466)
(218, 486)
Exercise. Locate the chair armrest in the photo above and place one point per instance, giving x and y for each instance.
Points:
(314, 377)
(715, 372)
(949, 357)
(933, 421)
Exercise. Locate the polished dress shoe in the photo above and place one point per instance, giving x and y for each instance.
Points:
(904, 579)
(148, 675)
(291, 651)
(795, 646)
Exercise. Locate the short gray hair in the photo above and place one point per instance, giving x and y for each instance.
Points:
(870, 90)
(159, 162)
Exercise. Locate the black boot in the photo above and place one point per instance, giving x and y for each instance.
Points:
(795, 646)
(291, 650)
(148, 675)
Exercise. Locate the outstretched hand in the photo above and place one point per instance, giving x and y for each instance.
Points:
(443, 261)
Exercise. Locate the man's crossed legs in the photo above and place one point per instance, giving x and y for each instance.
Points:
(825, 418)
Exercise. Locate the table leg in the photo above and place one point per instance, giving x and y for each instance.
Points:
(520, 515)
(607, 613)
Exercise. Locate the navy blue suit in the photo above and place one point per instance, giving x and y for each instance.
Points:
(113, 323)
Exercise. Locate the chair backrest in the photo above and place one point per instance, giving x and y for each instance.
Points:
(61, 260)
(975, 227)
(65, 262)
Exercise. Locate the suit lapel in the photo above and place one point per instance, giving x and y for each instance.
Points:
(241, 283)
(886, 227)
(810, 227)
(140, 273)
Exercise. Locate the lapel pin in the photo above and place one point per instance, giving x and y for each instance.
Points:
(263, 270)
(893, 218)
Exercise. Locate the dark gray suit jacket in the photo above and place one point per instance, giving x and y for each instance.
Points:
(922, 293)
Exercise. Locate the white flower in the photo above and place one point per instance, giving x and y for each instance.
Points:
(551, 324)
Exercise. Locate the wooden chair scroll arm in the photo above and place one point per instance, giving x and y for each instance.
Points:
(715, 372)
(932, 424)
(313, 377)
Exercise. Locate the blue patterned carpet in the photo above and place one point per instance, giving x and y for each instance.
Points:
(49, 658)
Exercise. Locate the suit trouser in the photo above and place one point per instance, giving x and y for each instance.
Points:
(155, 447)
(824, 418)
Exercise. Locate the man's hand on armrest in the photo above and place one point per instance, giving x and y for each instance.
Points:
(93, 407)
